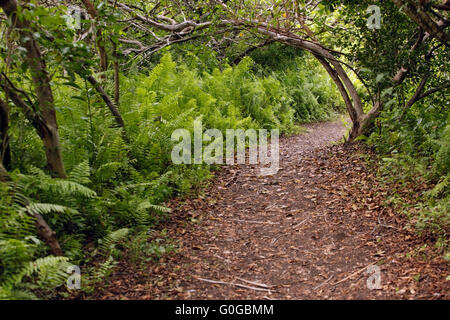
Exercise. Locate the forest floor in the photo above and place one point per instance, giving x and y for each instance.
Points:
(312, 231)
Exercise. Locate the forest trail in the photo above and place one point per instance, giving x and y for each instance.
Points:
(312, 231)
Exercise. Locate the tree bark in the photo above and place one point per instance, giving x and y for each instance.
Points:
(416, 12)
(402, 72)
(356, 114)
(418, 92)
(5, 150)
(116, 76)
(335, 77)
(4, 176)
(239, 58)
(327, 59)
(43, 229)
(112, 107)
(99, 39)
(41, 82)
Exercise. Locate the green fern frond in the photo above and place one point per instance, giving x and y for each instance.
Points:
(104, 270)
(66, 187)
(147, 205)
(108, 243)
(48, 272)
(440, 188)
(107, 171)
(15, 294)
(46, 208)
(81, 173)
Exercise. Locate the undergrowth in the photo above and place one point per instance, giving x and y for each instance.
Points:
(115, 192)
(416, 152)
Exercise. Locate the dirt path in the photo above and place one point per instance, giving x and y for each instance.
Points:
(308, 232)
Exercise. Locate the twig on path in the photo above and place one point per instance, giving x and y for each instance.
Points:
(232, 180)
(355, 273)
(255, 283)
(224, 259)
(325, 282)
(302, 222)
(276, 239)
(252, 221)
(235, 284)
(385, 225)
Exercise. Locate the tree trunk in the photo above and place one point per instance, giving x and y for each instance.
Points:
(47, 234)
(416, 12)
(116, 76)
(417, 93)
(338, 75)
(112, 107)
(356, 120)
(335, 77)
(99, 39)
(41, 82)
(43, 230)
(4, 176)
(5, 151)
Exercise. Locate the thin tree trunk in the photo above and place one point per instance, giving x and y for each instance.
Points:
(112, 107)
(338, 73)
(100, 41)
(401, 74)
(41, 82)
(417, 93)
(4, 176)
(348, 103)
(103, 55)
(239, 58)
(116, 76)
(357, 104)
(5, 150)
(335, 77)
(43, 229)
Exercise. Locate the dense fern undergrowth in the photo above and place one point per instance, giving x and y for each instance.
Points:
(417, 149)
(115, 190)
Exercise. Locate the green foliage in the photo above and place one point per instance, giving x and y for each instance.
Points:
(117, 188)
(232, 98)
(422, 137)
(434, 217)
(305, 84)
(419, 146)
(442, 162)
(108, 243)
(26, 272)
(146, 248)
(40, 275)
